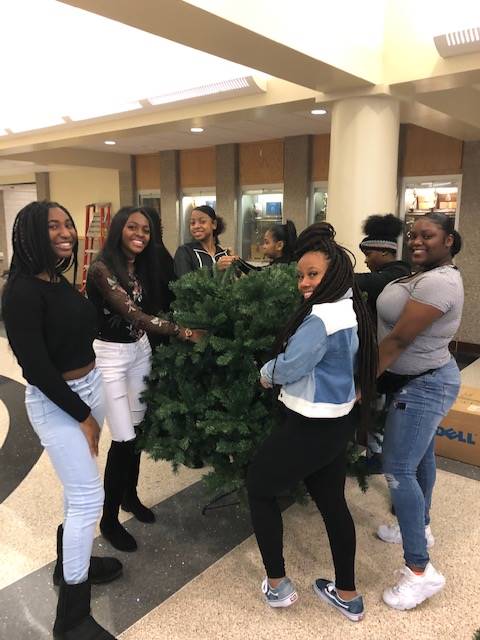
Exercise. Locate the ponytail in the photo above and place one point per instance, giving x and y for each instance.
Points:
(286, 233)
(447, 223)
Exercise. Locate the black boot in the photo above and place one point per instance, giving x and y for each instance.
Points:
(102, 570)
(73, 621)
(131, 502)
(115, 478)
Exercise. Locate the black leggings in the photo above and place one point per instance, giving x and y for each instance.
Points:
(312, 450)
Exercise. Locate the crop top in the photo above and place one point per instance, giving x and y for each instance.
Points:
(50, 327)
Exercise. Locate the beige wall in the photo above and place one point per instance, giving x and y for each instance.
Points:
(24, 178)
(76, 188)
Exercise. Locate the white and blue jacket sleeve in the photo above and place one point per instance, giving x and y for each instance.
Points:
(317, 368)
(304, 350)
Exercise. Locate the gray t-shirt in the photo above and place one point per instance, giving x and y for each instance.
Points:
(441, 288)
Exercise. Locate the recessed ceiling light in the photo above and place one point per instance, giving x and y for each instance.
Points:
(197, 129)
(318, 112)
(110, 142)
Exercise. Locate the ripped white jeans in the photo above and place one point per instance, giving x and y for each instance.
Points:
(124, 367)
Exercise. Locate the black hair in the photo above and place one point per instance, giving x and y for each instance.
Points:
(383, 227)
(381, 232)
(146, 263)
(210, 211)
(166, 271)
(447, 224)
(286, 233)
(156, 218)
(338, 279)
(32, 249)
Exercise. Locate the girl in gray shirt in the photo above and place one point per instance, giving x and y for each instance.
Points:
(417, 318)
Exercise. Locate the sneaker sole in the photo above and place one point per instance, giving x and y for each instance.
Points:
(354, 617)
(429, 544)
(286, 602)
(432, 591)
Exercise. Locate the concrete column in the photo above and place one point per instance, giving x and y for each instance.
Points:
(467, 259)
(362, 177)
(227, 192)
(126, 185)
(43, 185)
(297, 180)
(170, 198)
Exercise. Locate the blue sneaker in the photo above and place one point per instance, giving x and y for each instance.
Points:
(282, 596)
(352, 609)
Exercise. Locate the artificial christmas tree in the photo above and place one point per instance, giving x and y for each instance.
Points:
(205, 403)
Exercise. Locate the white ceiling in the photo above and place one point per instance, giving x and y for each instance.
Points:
(178, 136)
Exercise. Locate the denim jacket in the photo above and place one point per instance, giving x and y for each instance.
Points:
(317, 368)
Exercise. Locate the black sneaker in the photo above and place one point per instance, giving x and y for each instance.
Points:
(352, 609)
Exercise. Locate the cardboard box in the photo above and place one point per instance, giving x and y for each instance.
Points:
(458, 436)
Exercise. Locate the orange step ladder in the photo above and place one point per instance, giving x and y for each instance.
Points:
(97, 223)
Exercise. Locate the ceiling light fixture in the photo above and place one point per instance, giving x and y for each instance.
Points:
(197, 129)
(98, 111)
(109, 142)
(458, 43)
(318, 112)
(247, 85)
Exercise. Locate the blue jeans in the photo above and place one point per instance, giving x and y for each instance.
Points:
(67, 448)
(408, 453)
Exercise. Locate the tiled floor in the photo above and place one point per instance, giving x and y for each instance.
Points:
(199, 576)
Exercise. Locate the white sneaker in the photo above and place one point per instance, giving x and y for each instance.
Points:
(391, 533)
(412, 589)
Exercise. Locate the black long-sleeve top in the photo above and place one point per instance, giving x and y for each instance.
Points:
(50, 327)
(192, 256)
(120, 314)
(375, 282)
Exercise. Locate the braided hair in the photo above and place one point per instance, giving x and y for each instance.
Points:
(338, 279)
(32, 249)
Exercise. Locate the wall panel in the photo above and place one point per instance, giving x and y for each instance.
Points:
(197, 168)
(424, 152)
(261, 162)
(320, 157)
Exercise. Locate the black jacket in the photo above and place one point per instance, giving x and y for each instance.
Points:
(374, 283)
(192, 256)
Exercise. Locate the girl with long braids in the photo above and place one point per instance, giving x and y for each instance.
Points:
(279, 243)
(418, 316)
(50, 328)
(325, 352)
(124, 283)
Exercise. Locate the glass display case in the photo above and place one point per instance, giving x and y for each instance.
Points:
(261, 208)
(149, 199)
(318, 203)
(190, 200)
(431, 193)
